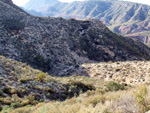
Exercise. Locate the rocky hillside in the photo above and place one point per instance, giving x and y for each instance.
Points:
(59, 46)
(127, 18)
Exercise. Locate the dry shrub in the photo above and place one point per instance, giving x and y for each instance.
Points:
(94, 100)
(141, 95)
(125, 104)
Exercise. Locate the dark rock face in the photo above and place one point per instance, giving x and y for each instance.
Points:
(59, 46)
(122, 17)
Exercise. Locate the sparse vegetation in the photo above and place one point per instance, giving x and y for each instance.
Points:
(126, 73)
(110, 102)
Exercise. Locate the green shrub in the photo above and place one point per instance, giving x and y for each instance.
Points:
(30, 100)
(6, 109)
(41, 77)
(14, 105)
(15, 98)
(113, 86)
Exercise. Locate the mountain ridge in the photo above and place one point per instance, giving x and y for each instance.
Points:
(126, 18)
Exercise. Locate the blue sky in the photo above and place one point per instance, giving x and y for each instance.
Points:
(22, 2)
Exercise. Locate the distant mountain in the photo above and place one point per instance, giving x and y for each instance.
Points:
(42, 7)
(127, 18)
(35, 4)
